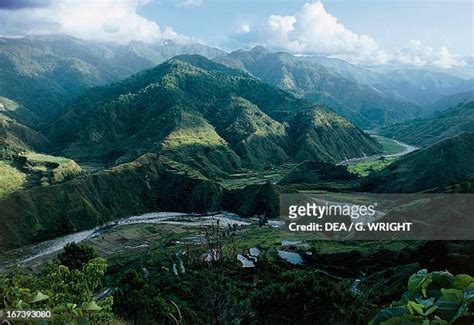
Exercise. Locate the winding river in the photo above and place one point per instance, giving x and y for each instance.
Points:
(32, 252)
(35, 251)
(406, 150)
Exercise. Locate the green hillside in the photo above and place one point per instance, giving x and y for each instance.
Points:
(452, 101)
(439, 126)
(314, 173)
(44, 72)
(322, 135)
(356, 101)
(147, 184)
(206, 115)
(434, 168)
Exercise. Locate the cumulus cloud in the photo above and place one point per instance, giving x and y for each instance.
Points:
(418, 54)
(312, 30)
(105, 20)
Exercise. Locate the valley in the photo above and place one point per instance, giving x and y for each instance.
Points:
(166, 165)
(37, 253)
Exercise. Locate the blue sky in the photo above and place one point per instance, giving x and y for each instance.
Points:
(416, 32)
(392, 23)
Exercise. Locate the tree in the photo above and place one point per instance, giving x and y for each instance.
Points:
(135, 299)
(76, 256)
(68, 293)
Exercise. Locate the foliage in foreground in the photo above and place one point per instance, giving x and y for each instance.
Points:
(68, 293)
(432, 298)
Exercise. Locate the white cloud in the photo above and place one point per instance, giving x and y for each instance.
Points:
(243, 29)
(420, 55)
(312, 30)
(105, 20)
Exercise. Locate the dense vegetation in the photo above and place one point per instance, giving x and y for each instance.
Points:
(354, 100)
(43, 73)
(434, 168)
(448, 123)
(192, 135)
(432, 298)
(69, 293)
(208, 116)
(149, 183)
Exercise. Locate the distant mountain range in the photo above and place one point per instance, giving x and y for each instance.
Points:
(349, 97)
(420, 86)
(45, 72)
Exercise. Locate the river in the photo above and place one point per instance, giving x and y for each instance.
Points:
(35, 251)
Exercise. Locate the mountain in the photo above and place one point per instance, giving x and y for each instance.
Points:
(452, 100)
(18, 137)
(206, 115)
(426, 87)
(422, 86)
(442, 125)
(310, 172)
(43, 73)
(360, 103)
(146, 184)
(442, 164)
(15, 136)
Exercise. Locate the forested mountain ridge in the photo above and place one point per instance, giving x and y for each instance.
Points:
(442, 125)
(359, 102)
(43, 73)
(447, 162)
(206, 115)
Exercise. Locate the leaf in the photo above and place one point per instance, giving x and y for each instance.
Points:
(388, 313)
(469, 295)
(447, 309)
(462, 280)
(38, 297)
(64, 307)
(413, 307)
(431, 310)
(415, 280)
(452, 295)
(460, 313)
(438, 321)
(443, 278)
(425, 302)
(91, 306)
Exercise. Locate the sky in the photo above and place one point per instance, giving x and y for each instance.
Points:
(416, 32)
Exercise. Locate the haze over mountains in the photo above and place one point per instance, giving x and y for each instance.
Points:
(43, 73)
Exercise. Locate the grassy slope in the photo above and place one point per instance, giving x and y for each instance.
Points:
(322, 135)
(11, 179)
